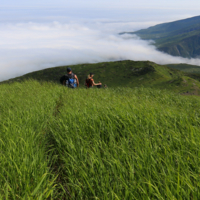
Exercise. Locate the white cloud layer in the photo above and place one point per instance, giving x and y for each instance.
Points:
(27, 47)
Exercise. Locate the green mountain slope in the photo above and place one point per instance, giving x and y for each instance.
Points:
(185, 67)
(123, 74)
(179, 38)
(192, 71)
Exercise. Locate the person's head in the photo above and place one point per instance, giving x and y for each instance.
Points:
(69, 70)
(91, 75)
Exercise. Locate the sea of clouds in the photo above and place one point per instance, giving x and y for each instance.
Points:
(31, 46)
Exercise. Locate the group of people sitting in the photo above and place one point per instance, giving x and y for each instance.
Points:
(71, 80)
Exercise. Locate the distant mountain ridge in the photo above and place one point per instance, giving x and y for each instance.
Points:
(178, 38)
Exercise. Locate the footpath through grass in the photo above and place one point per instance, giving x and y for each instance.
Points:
(120, 143)
(25, 159)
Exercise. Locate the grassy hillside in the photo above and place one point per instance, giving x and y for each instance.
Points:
(186, 68)
(121, 143)
(179, 38)
(123, 74)
(192, 71)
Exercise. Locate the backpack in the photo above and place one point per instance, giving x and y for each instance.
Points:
(89, 82)
(69, 79)
(62, 78)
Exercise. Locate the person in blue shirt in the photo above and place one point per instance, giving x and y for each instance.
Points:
(71, 79)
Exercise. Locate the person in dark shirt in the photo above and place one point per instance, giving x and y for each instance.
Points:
(71, 79)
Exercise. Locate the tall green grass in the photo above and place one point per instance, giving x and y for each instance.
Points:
(117, 143)
(128, 144)
(25, 156)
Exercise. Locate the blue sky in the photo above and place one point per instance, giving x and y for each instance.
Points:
(40, 34)
(104, 3)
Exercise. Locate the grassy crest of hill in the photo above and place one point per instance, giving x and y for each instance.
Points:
(179, 38)
(192, 71)
(115, 143)
(186, 68)
(123, 74)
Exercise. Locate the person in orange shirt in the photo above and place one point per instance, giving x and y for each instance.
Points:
(89, 82)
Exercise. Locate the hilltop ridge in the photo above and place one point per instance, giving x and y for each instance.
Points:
(125, 73)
